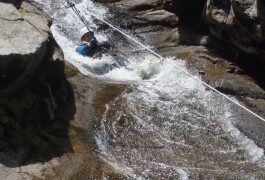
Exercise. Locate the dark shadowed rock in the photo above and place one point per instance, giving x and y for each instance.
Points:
(189, 11)
(241, 87)
(32, 73)
(239, 22)
(16, 3)
(22, 47)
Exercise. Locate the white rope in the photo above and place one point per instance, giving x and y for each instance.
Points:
(187, 73)
(140, 49)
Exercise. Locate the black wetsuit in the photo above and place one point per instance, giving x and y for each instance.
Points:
(88, 49)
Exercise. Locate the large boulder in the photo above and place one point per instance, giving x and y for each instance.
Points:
(36, 100)
(22, 47)
(32, 13)
(158, 17)
(241, 22)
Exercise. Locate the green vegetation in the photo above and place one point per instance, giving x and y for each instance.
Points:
(23, 11)
(70, 71)
(86, 135)
(25, 127)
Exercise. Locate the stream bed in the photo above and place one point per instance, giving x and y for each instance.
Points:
(166, 125)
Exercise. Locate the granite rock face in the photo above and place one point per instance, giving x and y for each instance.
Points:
(137, 5)
(22, 47)
(32, 79)
(239, 22)
(158, 17)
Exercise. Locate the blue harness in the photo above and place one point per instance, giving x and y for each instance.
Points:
(81, 49)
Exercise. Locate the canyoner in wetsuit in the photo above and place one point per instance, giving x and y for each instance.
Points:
(89, 45)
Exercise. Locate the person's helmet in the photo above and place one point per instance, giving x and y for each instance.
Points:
(84, 31)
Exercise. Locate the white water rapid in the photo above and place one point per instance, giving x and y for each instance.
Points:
(167, 125)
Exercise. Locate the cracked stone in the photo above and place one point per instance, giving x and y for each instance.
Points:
(22, 48)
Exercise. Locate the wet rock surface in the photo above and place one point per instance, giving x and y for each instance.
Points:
(205, 53)
(218, 64)
(204, 57)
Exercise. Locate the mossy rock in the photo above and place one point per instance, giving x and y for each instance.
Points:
(106, 94)
(70, 70)
(23, 11)
(86, 135)
(22, 127)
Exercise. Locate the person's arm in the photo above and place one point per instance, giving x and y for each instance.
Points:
(91, 47)
(92, 43)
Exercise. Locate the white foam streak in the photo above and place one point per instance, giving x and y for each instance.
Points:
(255, 153)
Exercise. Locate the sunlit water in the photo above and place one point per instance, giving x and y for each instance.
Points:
(165, 126)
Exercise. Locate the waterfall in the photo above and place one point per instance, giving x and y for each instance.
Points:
(167, 125)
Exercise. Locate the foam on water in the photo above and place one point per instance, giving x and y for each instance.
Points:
(175, 87)
(65, 29)
(256, 153)
(140, 68)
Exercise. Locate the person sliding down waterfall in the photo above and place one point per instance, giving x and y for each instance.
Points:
(89, 45)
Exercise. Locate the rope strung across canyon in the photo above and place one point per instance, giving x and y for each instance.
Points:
(182, 70)
(72, 5)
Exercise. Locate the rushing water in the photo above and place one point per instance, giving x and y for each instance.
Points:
(167, 126)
